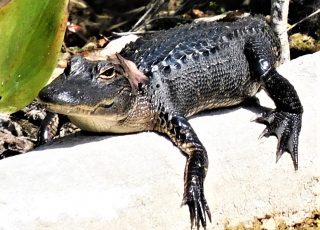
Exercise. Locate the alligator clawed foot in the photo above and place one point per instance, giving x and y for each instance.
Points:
(197, 204)
(286, 127)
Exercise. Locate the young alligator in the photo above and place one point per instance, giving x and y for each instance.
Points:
(186, 70)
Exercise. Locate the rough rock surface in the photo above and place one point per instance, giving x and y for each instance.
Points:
(136, 181)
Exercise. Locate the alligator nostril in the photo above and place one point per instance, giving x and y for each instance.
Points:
(43, 95)
(46, 94)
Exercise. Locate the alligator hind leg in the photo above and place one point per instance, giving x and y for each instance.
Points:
(181, 133)
(285, 121)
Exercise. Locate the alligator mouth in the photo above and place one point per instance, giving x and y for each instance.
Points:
(103, 105)
(76, 110)
(101, 108)
(106, 106)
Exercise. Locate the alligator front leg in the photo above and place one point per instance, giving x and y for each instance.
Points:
(50, 127)
(182, 134)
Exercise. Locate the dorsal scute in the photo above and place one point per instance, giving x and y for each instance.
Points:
(189, 41)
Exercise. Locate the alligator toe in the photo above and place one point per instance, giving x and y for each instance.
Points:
(198, 207)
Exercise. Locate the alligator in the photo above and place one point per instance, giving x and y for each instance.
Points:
(157, 82)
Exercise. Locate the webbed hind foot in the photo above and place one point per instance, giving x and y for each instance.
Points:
(286, 127)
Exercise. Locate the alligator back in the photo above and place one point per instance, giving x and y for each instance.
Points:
(202, 65)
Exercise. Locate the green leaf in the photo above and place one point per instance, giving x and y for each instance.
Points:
(31, 35)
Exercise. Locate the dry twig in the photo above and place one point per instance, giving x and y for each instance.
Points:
(302, 20)
(152, 7)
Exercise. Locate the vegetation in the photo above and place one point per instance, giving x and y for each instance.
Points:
(31, 34)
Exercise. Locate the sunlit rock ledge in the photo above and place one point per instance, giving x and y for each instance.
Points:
(135, 181)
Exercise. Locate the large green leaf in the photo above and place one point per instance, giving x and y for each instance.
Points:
(31, 34)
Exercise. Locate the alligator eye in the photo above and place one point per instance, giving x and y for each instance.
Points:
(107, 73)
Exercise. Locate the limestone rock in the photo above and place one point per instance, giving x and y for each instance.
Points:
(135, 181)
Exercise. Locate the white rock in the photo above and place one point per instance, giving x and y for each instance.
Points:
(116, 45)
(136, 181)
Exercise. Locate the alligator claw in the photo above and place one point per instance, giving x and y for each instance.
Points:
(286, 127)
(197, 204)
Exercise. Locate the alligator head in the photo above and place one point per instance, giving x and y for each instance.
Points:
(103, 89)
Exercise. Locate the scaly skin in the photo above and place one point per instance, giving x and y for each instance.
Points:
(186, 70)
